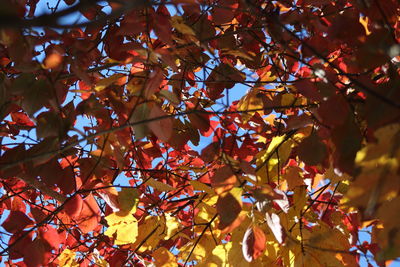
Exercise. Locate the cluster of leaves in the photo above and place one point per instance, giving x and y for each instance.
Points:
(121, 145)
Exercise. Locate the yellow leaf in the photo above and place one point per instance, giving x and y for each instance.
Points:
(163, 257)
(201, 187)
(378, 180)
(300, 198)
(136, 84)
(100, 262)
(159, 185)
(270, 159)
(123, 229)
(250, 101)
(172, 224)
(219, 256)
(364, 21)
(202, 250)
(151, 232)
(67, 258)
(290, 99)
(206, 209)
(266, 77)
(237, 53)
(104, 83)
(179, 24)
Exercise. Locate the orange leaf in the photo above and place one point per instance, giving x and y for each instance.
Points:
(223, 180)
(89, 217)
(254, 243)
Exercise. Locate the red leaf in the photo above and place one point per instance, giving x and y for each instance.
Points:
(16, 221)
(153, 85)
(35, 253)
(18, 250)
(69, 2)
(50, 235)
(333, 111)
(253, 243)
(163, 27)
(21, 118)
(224, 11)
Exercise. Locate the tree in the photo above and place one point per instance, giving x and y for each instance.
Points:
(124, 141)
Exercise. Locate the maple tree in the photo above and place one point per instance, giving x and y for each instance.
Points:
(124, 142)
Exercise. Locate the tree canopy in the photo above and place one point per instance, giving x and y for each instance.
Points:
(199, 132)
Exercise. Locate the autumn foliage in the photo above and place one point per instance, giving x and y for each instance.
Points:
(199, 132)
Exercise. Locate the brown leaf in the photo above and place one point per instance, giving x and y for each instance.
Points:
(229, 206)
(161, 127)
(312, 151)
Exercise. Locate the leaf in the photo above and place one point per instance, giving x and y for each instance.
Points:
(16, 221)
(179, 24)
(170, 96)
(274, 157)
(163, 28)
(135, 85)
(229, 205)
(224, 11)
(159, 185)
(311, 150)
(128, 199)
(122, 227)
(67, 258)
(293, 176)
(220, 255)
(251, 101)
(160, 124)
(377, 178)
(163, 257)
(197, 185)
(53, 59)
(254, 243)
(106, 82)
(140, 114)
(35, 253)
(173, 225)
(150, 232)
(110, 196)
(347, 140)
(223, 180)
(283, 201)
(89, 217)
(154, 82)
(21, 119)
(274, 223)
(51, 236)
